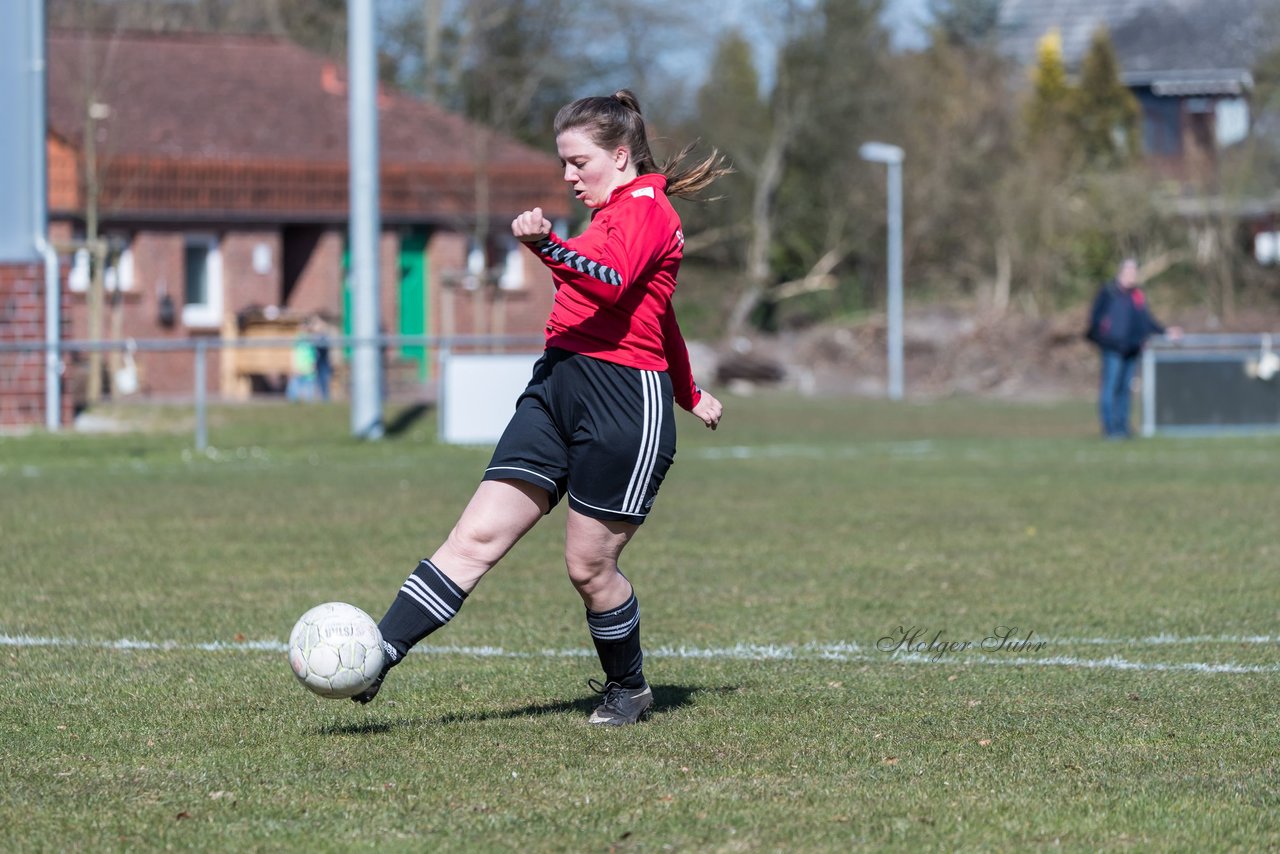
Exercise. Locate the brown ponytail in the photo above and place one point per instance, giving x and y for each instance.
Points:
(616, 121)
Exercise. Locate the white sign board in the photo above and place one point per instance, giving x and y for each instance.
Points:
(478, 393)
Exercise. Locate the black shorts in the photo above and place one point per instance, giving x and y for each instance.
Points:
(601, 434)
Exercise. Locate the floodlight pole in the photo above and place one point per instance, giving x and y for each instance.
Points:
(40, 199)
(362, 104)
(892, 156)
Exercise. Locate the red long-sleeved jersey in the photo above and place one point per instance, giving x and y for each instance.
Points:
(614, 284)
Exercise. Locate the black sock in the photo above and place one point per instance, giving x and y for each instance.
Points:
(617, 638)
(426, 601)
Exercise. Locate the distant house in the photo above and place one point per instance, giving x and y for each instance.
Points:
(222, 184)
(1187, 61)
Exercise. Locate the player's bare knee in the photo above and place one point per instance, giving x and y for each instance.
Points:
(476, 544)
(589, 573)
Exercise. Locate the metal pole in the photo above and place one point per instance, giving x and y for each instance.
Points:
(366, 367)
(1148, 392)
(202, 415)
(442, 370)
(52, 337)
(895, 280)
(892, 156)
(40, 201)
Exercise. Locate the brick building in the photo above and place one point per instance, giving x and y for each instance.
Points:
(22, 319)
(221, 178)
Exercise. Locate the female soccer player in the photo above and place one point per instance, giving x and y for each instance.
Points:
(595, 425)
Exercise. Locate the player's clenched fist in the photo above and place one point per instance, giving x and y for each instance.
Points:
(531, 226)
(708, 409)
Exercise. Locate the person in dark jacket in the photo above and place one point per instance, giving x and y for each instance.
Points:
(1120, 324)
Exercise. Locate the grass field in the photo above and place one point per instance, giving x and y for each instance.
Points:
(1142, 715)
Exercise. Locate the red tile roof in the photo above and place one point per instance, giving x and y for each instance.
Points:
(195, 95)
(253, 126)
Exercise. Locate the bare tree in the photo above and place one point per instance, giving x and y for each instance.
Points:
(768, 176)
(808, 196)
(432, 25)
(92, 65)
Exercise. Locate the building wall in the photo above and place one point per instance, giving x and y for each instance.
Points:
(446, 255)
(526, 310)
(159, 267)
(318, 288)
(159, 272)
(458, 310)
(249, 281)
(22, 319)
(389, 283)
(251, 268)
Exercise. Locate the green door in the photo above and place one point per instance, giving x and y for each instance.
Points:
(413, 296)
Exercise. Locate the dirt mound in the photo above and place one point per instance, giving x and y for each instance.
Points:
(946, 350)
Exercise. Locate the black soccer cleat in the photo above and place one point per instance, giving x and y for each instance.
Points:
(621, 705)
(392, 658)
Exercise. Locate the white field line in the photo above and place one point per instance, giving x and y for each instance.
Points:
(1169, 640)
(842, 652)
(816, 452)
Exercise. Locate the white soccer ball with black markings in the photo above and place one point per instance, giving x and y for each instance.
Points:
(335, 649)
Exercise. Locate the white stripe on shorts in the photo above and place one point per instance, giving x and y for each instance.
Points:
(654, 442)
(554, 487)
(598, 507)
(651, 428)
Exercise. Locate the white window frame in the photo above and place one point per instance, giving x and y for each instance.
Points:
(1230, 121)
(1266, 247)
(207, 314)
(79, 274)
(512, 276)
(120, 274)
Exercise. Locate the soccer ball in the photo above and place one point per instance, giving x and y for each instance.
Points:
(335, 650)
